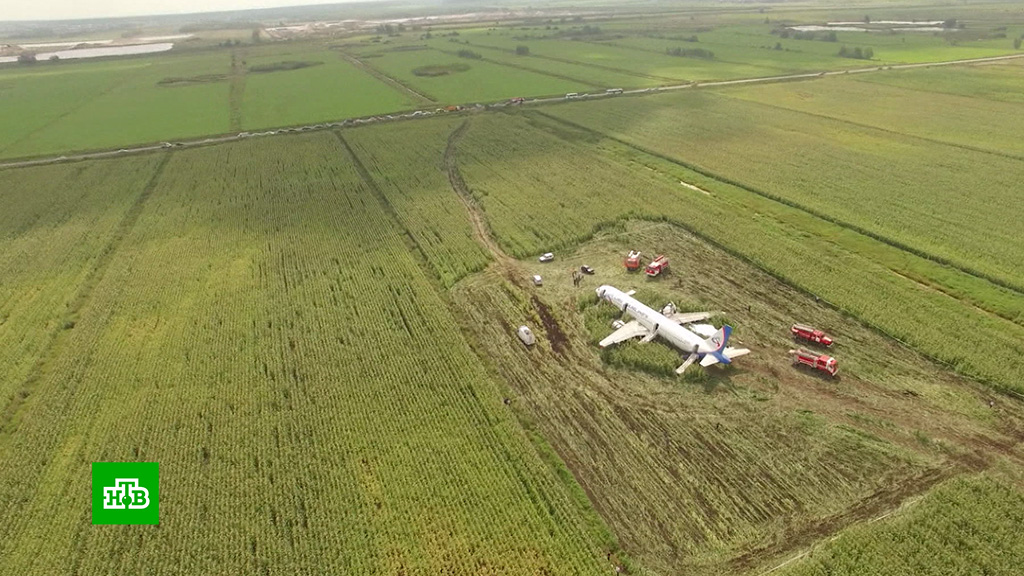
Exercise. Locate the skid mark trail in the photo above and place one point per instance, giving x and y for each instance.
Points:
(81, 298)
(237, 90)
(476, 215)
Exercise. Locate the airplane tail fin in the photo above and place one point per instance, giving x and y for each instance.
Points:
(718, 342)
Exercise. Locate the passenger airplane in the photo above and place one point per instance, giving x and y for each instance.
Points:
(650, 324)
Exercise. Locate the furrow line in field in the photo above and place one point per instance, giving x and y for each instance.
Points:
(481, 229)
(389, 80)
(996, 385)
(878, 503)
(528, 69)
(877, 128)
(587, 64)
(237, 90)
(8, 417)
(407, 236)
(796, 205)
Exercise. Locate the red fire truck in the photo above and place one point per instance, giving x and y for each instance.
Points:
(657, 266)
(810, 334)
(633, 260)
(822, 362)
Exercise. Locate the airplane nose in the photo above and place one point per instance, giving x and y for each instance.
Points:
(600, 291)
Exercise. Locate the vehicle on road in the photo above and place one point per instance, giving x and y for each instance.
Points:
(586, 269)
(537, 280)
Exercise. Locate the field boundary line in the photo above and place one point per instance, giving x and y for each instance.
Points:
(8, 416)
(587, 64)
(528, 69)
(70, 111)
(391, 81)
(981, 379)
(410, 241)
(236, 92)
(796, 205)
(878, 128)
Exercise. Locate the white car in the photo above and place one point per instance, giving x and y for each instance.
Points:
(526, 336)
(548, 257)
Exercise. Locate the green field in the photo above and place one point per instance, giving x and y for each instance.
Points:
(321, 92)
(844, 171)
(67, 106)
(482, 81)
(314, 333)
(202, 87)
(965, 526)
(980, 123)
(253, 373)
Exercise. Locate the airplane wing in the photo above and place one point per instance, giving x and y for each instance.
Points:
(730, 353)
(690, 317)
(632, 329)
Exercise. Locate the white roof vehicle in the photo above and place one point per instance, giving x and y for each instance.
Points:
(526, 336)
(547, 257)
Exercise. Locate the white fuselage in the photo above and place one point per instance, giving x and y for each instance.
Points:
(655, 321)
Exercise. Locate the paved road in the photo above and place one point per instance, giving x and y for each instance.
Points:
(536, 101)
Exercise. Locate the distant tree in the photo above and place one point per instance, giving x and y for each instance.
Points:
(54, 58)
(523, 50)
(1016, 43)
(830, 37)
(858, 53)
(951, 23)
(466, 53)
(778, 45)
(27, 58)
(868, 53)
(844, 52)
(867, 19)
(256, 36)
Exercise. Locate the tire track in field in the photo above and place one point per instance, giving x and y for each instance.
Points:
(390, 81)
(51, 350)
(892, 243)
(880, 504)
(486, 238)
(481, 229)
(237, 91)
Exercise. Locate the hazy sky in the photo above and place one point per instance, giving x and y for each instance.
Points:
(72, 9)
